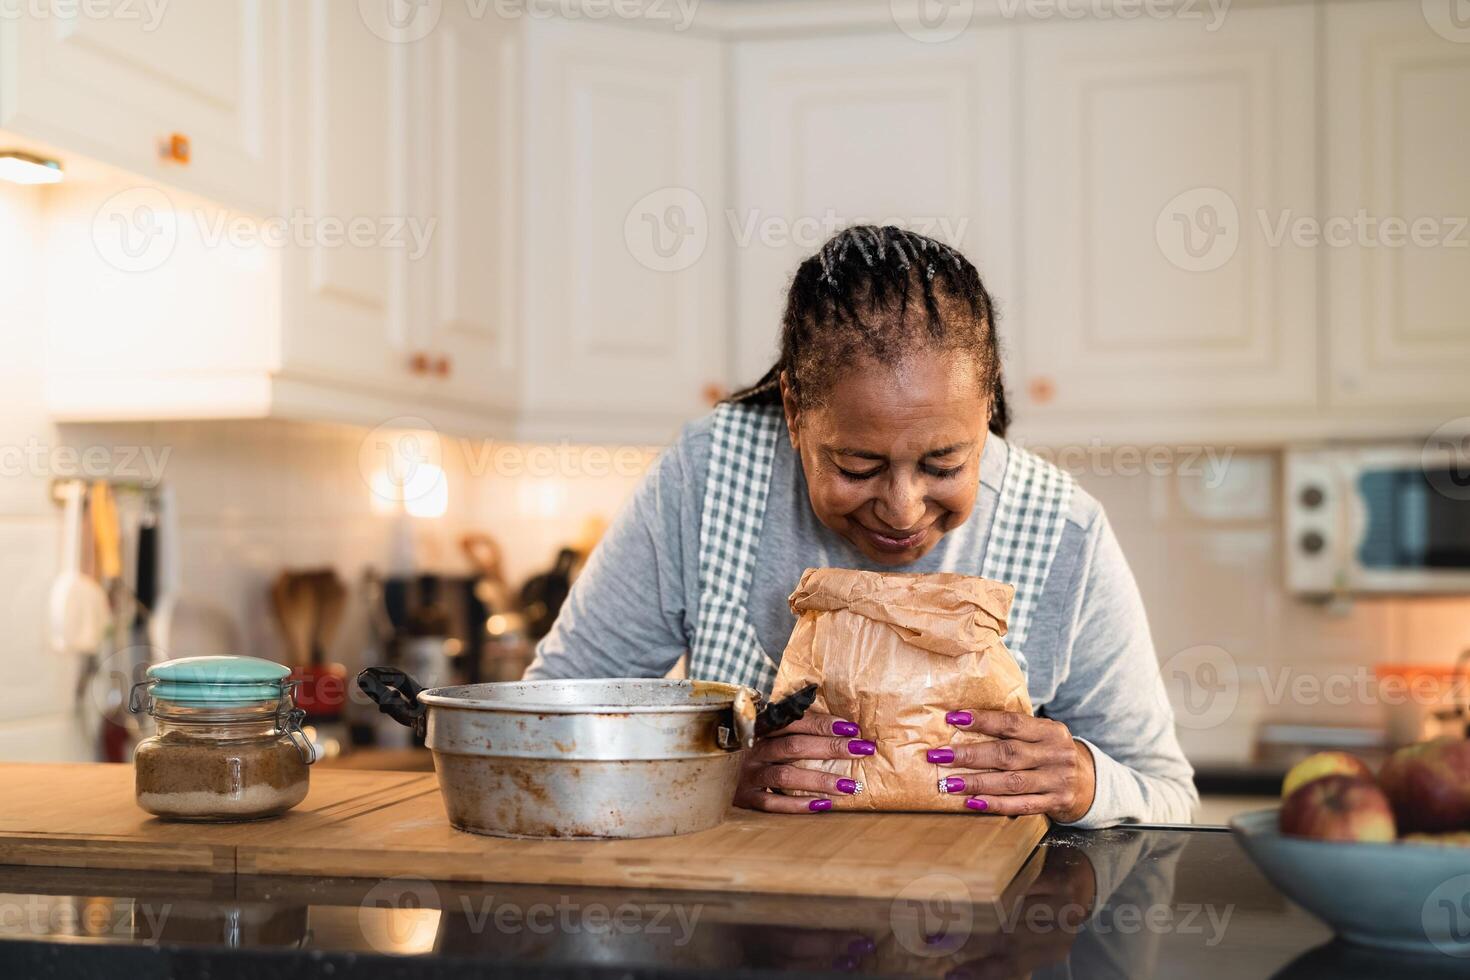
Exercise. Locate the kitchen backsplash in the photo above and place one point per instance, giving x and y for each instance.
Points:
(253, 497)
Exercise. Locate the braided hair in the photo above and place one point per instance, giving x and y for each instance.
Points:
(881, 293)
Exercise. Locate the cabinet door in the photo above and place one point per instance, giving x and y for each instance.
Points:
(465, 287)
(850, 130)
(625, 266)
(345, 305)
(116, 81)
(1158, 155)
(1398, 190)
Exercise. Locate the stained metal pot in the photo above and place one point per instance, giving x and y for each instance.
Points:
(587, 758)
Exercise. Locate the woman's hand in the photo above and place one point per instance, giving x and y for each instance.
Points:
(1039, 767)
(813, 736)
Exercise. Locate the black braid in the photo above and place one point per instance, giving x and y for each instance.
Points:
(852, 298)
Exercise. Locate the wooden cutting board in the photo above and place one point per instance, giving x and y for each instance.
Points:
(84, 815)
(380, 824)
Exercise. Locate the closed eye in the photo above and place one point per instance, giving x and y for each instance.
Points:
(942, 472)
(859, 476)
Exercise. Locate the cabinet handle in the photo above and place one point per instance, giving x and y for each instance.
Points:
(176, 149)
(714, 393)
(1041, 389)
(442, 366)
(419, 363)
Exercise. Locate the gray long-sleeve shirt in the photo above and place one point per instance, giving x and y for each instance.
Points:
(1090, 660)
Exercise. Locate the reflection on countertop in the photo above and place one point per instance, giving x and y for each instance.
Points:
(1123, 902)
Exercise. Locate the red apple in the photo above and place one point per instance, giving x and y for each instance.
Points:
(1338, 807)
(1323, 764)
(1429, 785)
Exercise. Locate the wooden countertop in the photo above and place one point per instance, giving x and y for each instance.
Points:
(384, 824)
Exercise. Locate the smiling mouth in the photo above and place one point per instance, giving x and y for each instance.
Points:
(894, 543)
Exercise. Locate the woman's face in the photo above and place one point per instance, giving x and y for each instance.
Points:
(892, 455)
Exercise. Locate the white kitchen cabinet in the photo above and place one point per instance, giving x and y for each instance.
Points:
(863, 129)
(305, 313)
(1398, 191)
(118, 82)
(1153, 302)
(464, 291)
(499, 172)
(625, 260)
(345, 314)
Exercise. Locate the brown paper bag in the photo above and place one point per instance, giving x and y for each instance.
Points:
(894, 653)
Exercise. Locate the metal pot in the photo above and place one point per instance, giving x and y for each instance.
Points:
(579, 758)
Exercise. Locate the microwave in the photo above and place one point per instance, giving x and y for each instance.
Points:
(1378, 519)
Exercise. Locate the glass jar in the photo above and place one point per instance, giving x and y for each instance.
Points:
(228, 745)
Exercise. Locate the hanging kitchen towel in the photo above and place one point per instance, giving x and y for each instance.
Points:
(894, 653)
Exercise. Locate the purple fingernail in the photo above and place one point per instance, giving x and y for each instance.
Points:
(862, 946)
(942, 757)
(844, 728)
(859, 746)
(848, 786)
(952, 784)
(817, 806)
(959, 718)
(975, 803)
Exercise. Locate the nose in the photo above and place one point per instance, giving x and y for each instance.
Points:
(901, 506)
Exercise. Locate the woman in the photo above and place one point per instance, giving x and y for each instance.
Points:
(877, 442)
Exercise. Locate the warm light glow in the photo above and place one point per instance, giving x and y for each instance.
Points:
(426, 491)
(542, 498)
(22, 168)
(387, 495)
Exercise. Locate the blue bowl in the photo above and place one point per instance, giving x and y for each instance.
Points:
(1402, 895)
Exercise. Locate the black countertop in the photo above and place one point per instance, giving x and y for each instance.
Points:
(1125, 903)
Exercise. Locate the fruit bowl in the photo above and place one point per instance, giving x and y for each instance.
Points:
(1407, 895)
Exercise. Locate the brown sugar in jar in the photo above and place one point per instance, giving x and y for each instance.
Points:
(216, 757)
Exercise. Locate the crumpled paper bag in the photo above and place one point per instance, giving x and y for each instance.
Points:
(894, 652)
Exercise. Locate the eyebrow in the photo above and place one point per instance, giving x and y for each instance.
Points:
(864, 454)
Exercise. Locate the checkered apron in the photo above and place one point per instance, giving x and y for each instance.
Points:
(1034, 498)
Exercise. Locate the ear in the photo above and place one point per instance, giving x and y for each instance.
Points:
(793, 414)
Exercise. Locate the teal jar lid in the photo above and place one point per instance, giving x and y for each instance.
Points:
(218, 681)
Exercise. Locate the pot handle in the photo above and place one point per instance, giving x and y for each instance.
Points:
(396, 694)
(779, 714)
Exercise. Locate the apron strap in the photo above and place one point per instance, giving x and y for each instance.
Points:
(742, 449)
(1035, 497)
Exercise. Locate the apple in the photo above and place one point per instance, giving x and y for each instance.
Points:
(1429, 785)
(1323, 764)
(1338, 807)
